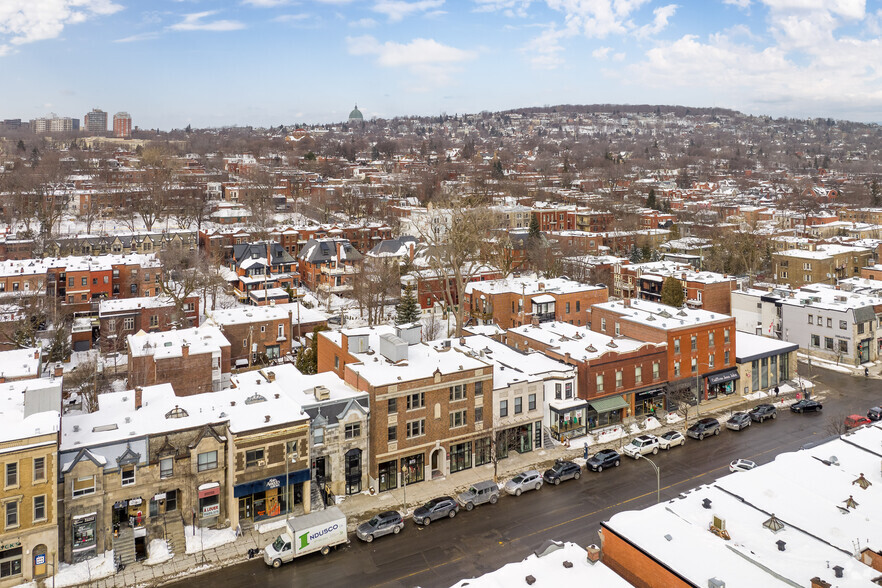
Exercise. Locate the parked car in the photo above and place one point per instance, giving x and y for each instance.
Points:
(703, 428)
(529, 480)
(738, 421)
(741, 465)
(606, 458)
(856, 420)
(875, 413)
(641, 445)
(761, 412)
(435, 509)
(382, 524)
(671, 439)
(805, 405)
(562, 470)
(479, 494)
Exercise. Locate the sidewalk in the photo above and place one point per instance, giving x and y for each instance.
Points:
(360, 507)
(874, 368)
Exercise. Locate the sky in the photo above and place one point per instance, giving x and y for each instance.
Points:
(170, 63)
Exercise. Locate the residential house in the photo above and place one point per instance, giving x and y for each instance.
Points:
(328, 265)
(121, 317)
(260, 266)
(820, 264)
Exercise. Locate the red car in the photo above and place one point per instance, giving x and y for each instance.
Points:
(856, 420)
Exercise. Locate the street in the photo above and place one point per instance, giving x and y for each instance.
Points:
(490, 536)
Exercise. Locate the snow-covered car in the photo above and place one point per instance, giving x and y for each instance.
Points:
(741, 465)
(641, 446)
(671, 439)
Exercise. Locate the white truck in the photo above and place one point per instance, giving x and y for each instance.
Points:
(317, 531)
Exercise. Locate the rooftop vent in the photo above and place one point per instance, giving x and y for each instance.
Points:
(76, 428)
(715, 583)
(255, 398)
(862, 482)
(837, 571)
(773, 524)
(781, 545)
(706, 503)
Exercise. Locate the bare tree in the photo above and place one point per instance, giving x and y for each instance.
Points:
(376, 280)
(182, 276)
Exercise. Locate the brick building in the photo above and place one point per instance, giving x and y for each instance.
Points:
(700, 344)
(328, 265)
(262, 266)
(430, 287)
(194, 360)
(512, 302)
(126, 316)
(431, 405)
(706, 290)
(821, 264)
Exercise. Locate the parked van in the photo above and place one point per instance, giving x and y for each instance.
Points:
(317, 531)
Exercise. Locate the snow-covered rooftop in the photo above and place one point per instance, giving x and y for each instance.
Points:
(530, 285)
(581, 343)
(749, 346)
(660, 316)
(511, 366)
(16, 421)
(166, 344)
(16, 364)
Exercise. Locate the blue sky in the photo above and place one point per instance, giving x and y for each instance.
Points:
(268, 62)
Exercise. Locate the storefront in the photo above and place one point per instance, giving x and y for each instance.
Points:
(414, 468)
(460, 456)
(603, 412)
(83, 535)
(127, 513)
(163, 502)
(649, 402)
(352, 471)
(387, 473)
(270, 497)
(724, 383)
(568, 419)
(10, 560)
(520, 439)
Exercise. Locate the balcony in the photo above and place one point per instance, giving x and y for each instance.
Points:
(340, 270)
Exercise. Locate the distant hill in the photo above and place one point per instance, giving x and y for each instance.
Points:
(679, 111)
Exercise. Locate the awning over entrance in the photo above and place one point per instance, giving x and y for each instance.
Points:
(543, 299)
(250, 488)
(608, 404)
(723, 377)
(649, 393)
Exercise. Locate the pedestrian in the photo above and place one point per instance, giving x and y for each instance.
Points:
(777, 391)
(866, 372)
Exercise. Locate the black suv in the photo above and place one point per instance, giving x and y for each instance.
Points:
(703, 428)
(761, 412)
(806, 405)
(605, 458)
(562, 470)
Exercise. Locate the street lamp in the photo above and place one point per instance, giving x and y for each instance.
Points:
(404, 486)
(657, 477)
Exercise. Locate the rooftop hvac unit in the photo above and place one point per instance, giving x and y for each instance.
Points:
(715, 583)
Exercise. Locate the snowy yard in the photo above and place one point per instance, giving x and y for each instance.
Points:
(207, 538)
(157, 552)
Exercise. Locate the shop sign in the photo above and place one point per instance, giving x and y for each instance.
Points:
(12, 545)
(134, 502)
(272, 483)
(210, 492)
(211, 510)
(160, 496)
(40, 559)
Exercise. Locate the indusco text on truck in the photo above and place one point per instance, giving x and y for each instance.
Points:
(318, 531)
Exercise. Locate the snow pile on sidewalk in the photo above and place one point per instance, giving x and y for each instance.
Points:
(158, 552)
(85, 571)
(673, 418)
(208, 538)
(648, 424)
(610, 434)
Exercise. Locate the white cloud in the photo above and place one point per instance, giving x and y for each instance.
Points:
(138, 37)
(544, 51)
(601, 53)
(742, 4)
(434, 62)
(662, 15)
(299, 17)
(363, 23)
(397, 10)
(510, 8)
(27, 21)
(195, 22)
(265, 3)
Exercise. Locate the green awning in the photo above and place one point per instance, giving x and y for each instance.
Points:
(608, 404)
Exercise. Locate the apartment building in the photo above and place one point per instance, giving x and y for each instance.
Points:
(706, 290)
(119, 318)
(820, 264)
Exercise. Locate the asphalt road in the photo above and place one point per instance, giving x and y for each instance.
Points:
(490, 536)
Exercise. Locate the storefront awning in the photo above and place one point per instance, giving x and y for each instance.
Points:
(608, 404)
(249, 488)
(649, 393)
(723, 377)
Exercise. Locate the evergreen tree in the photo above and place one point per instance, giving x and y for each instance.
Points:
(636, 256)
(307, 358)
(650, 200)
(672, 292)
(875, 194)
(497, 172)
(21, 146)
(535, 233)
(408, 309)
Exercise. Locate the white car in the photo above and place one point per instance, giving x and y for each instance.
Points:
(741, 465)
(529, 480)
(641, 446)
(671, 439)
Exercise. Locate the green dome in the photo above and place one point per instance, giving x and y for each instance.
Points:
(356, 114)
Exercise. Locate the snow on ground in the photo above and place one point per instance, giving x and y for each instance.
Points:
(270, 526)
(673, 418)
(85, 571)
(208, 538)
(827, 365)
(610, 434)
(157, 552)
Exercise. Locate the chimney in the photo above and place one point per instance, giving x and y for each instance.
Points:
(58, 370)
(36, 354)
(819, 583)
(593, 553)
(271, 376)
(185, 350)
(266, 418)
(138, 397)
(462, 340)
(627, 302)
(534, 321)
(542, 286)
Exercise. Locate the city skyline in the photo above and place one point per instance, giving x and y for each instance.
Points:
(271, 62)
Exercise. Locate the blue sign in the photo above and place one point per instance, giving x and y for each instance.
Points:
(40, 559)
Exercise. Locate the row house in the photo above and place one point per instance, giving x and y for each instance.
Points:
(820, 264)
(512, 302)
(328, 265)
(21, 364)
(13, 247)
(265, 333)
(432, 287)
(262, 266)
(217, 243)
(194, 361)
(554, 218)
(80, 281)
(617, 376)
(119, 318)
(431, 405)
(31, 409)
(361, 236)
(707, 290)
(122, 243)
(594, 221)
(700, 343)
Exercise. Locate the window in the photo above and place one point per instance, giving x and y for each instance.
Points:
(11, 514)
(415, 401)
(618, 330)
(860, 328)
(416, 428)
(568, 390)
(568, 308)
(15, 286)
(458, 419)
(133, 288)
(352, 431)
(531, 402)
(39, 508)
(677, 345)
(816, 341)
(694, 342)
(392, 405)
(12, 474)
(70, 282)
(676, 368)
(843, 346)
(726, 357)
(106, 279)
(479, 388)
(154, 320)
(655, 370)
(810, 319)
(807, 266)
(603, 325)
(638, 374)
(84, 486)
(619, 379)
(10, 562)
(557, 391)
(828, 343)
(578, 305)
(281, 333)
(694, 365)
(392, 433)
(129, 324)
(457, 392)
(844, 326)
(518, 405)
(829, 323)
(336, 362)
(166, 467)
(318, 436)
(710, 339)
(479, 414)
(503, 408)
(39, 469)
(206, 461)
(710, 361)
(725, 335)
(127, 475)
(254, 457)
(263, 328)
(599, 382)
